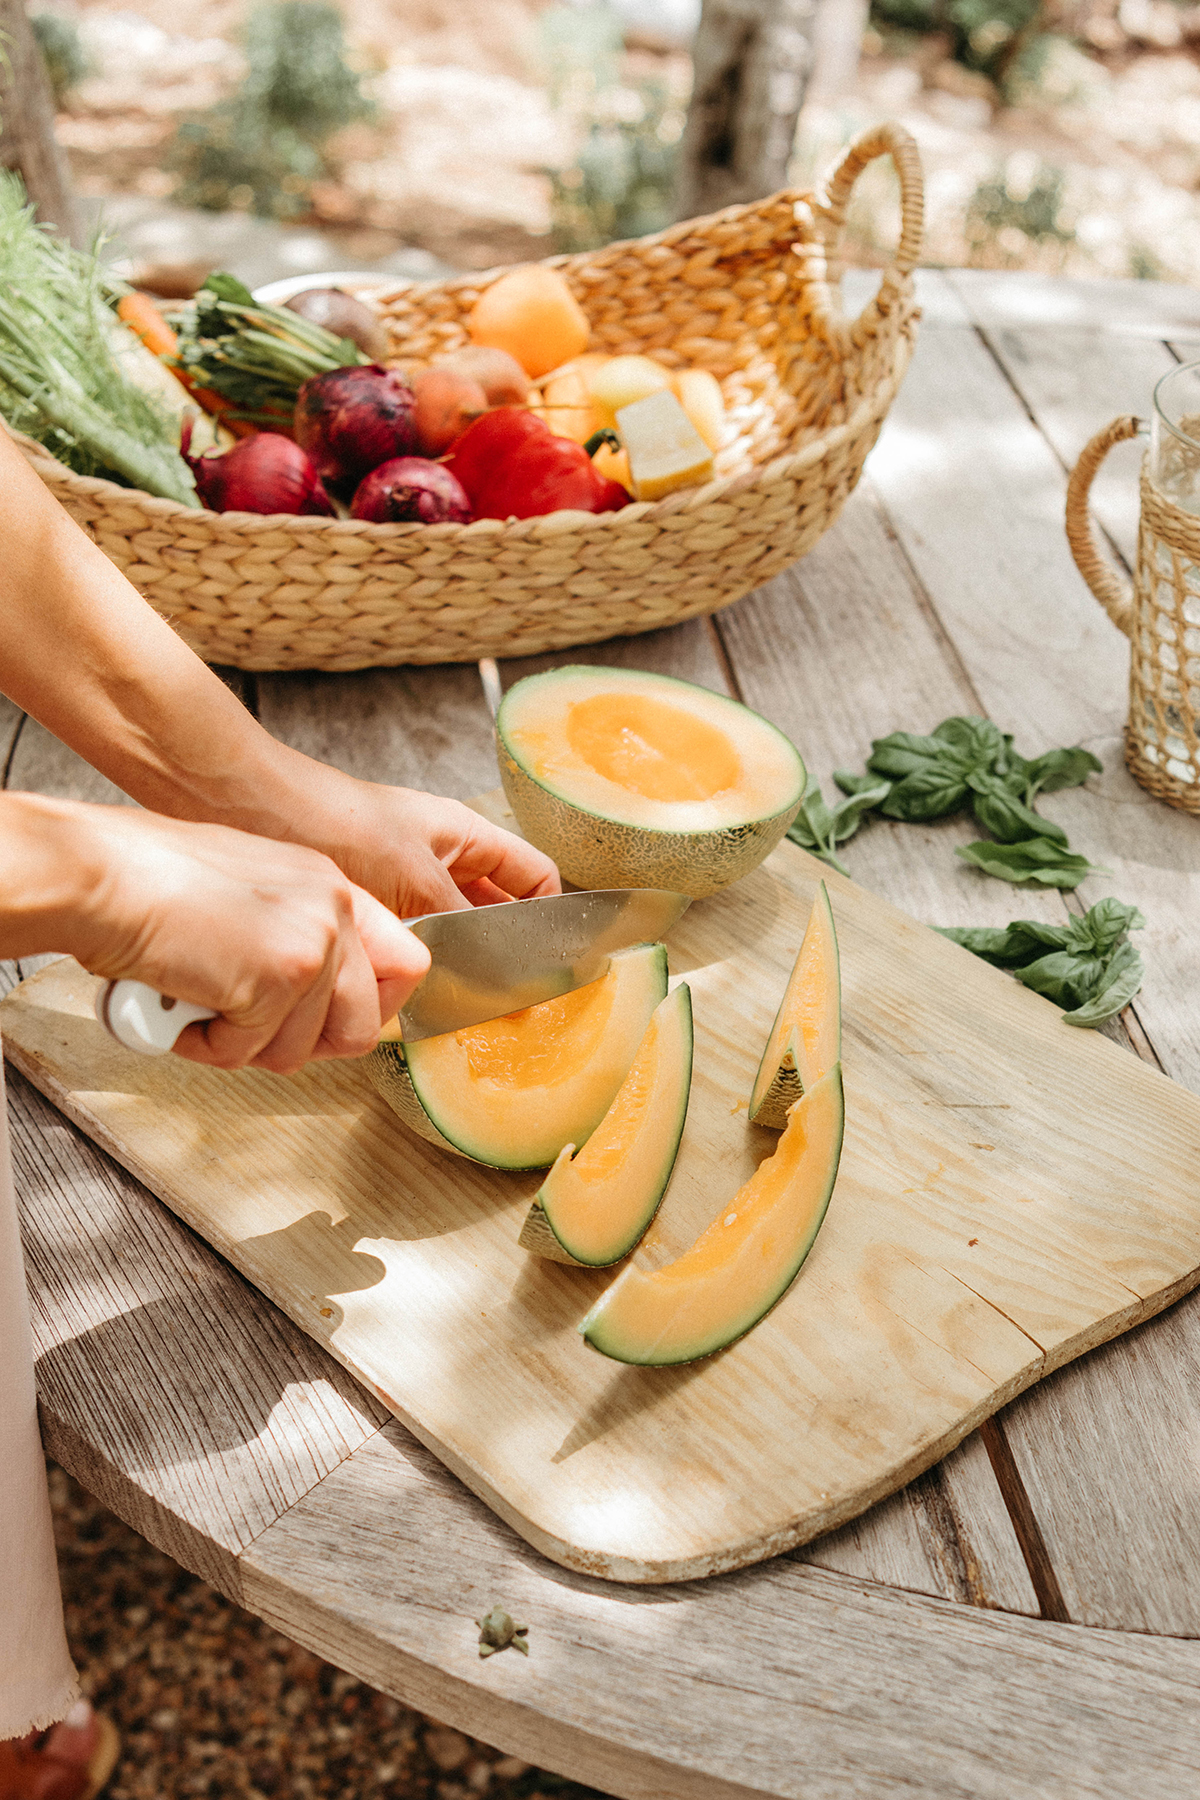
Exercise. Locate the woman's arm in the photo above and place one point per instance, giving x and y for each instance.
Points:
(84, 653)
(297, 961)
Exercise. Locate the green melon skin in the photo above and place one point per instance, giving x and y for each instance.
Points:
(593, 852)
(389, 1075)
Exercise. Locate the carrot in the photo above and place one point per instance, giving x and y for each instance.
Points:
(143, 317)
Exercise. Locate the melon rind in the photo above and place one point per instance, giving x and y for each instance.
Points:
(594, 850)
(539, 1233)
(388, 1069)
(601, 1328)
(787, 1082)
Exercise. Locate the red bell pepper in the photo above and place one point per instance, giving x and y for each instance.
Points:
(514, 467)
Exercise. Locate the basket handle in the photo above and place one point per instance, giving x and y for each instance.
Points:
(1112, 591)
(892, 140)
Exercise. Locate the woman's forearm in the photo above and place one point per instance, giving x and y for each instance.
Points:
(83, 653)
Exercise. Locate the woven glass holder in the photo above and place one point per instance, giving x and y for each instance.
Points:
(1160, 615)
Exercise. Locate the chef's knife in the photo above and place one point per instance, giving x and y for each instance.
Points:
(487, 961)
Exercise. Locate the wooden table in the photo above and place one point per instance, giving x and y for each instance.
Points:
(1017, 1621)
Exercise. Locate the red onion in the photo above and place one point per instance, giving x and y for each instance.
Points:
(409, 488)
(265, 473)
(351, 420)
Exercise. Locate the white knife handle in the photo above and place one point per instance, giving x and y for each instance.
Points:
(144, 1020)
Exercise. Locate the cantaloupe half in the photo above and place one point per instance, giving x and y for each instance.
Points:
(596, 1203)
(806, 1038)
(512, 1092)
(747, 1259)
(630, 779)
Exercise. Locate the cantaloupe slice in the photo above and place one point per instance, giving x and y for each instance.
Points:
(512, 1092)
(596, 1203)
(747, 1259)
(631, 779)
(806, 1038)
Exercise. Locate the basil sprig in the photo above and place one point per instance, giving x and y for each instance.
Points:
(820, 827)
(1088, 966)
(971, 762)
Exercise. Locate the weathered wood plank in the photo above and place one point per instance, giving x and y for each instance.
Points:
(169, 1386)
(840, 1690)
(841, 649)
(421, 728)
(1151, 309)
(1109, 1440)
(1074, 382)
(688, 651)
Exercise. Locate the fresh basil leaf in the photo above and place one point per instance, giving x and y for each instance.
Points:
(1039, 859)
(1123, 977)
(1008, 818)
(859, 784)
(902, 753)
(1105, 924)
(1063, 977)
(1059, 769)
(976, 743)
(928, 793)
(848, 814)
(1009, 946)
(820, 828)
(813, 827)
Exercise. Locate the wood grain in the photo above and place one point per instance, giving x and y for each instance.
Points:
(1109, 1440)
(955, 1269)
(420, 728)
(781, 1680)
(177, 1393)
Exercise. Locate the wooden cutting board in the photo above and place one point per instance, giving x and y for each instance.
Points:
(1012, 1192)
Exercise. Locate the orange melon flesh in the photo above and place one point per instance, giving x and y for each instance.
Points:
(744, 1262)
(595, 1204)
(806, 1038)
(652, 748)
(512, 1092)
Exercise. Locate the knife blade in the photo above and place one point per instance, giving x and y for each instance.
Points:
(486, 961)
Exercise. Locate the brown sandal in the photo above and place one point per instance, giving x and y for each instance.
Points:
(71, 1761)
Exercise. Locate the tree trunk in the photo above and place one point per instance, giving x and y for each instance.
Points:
(751, 62)
(27, 141)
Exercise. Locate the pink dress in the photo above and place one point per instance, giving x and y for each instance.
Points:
(37, 1678)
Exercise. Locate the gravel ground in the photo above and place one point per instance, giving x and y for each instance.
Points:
(210, 1701)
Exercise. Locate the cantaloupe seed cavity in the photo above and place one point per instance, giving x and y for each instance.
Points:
(806, 1038)
(652, 748)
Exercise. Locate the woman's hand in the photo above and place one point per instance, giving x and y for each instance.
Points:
(298, 961)
(417, 853)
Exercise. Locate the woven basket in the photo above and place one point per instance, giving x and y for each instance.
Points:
(1160, 615)
(746, 293)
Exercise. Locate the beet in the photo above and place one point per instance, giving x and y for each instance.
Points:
(411, 489)
(351, 420)
(265, 473)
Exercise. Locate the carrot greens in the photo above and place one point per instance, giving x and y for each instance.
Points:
(61, 381)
